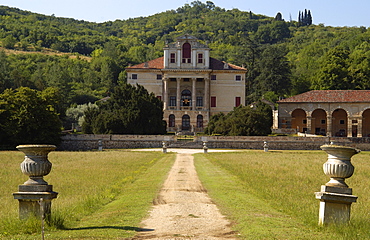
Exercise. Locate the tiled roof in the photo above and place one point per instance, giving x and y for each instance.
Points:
(330, 96)
(152, 64)
(158, 63)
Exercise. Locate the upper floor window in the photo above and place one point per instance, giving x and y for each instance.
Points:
(186, 53)
(213, 77)
(134, 76)
(200, 58)
(159, 76)
(238, 78)
(173, 58)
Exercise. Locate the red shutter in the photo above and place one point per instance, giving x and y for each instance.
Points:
(213, 101)
(237, 101)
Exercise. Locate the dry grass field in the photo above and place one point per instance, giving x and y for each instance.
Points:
(271, 195)
(105, 195)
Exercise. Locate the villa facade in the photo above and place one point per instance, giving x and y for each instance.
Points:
(192, 85)
(341, 113)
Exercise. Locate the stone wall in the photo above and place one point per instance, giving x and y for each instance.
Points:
(82, 142)
(90, 142)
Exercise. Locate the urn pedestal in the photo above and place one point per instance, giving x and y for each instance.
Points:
(335, 196)
(35, 194)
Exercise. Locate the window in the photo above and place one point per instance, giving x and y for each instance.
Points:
(185, 122)
(159, 76)
(173, 58)
(134, 76)
(186, 98)
(199, 121)
(186, 53)
(237, 101)
(213, 101)
(186, 79)
(172, 101)
(304, 121)
(199, 101)
(199, 79)
(323, 121)
(341, 121)
(171, 120)
(238, 78)
(200, 58)
(173, 79)
(213, 77)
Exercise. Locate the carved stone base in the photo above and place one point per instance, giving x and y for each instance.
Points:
(335, 206)
(29, 197)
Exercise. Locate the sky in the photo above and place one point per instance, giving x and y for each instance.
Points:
(328, 12)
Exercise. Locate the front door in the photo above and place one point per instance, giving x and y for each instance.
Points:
(185, 122)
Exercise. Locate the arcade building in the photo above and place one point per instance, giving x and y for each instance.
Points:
(333, 113)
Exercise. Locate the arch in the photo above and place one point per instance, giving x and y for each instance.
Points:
(171, 120)
(186, 50)
(185, 122)
(186, 98)
(199, 121)
(339, 123)
(299, 120)
(366, 123)
(318, 122)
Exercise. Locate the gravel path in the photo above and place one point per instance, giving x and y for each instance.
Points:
(183, 209)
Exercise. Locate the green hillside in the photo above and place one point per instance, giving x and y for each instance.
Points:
(283, 57)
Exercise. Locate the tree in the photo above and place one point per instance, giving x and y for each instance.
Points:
(334, 75)
(253, 120)
(274, 73)
(279, 17)
(29, 117)
(304, 18)
(130, 110)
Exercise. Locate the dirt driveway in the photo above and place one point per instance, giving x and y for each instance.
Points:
(183, 209)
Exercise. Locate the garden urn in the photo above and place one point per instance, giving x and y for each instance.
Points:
(338, 165)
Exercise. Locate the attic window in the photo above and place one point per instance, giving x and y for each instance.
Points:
(134, 76)
(238, 78)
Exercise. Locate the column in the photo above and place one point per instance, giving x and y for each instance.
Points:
(178, 58)
(178, 93)
(166, 58)
(194, 58)
(206, 93)
(309, 124)
(193, 93)
(165, 93)
(329, 126)
(359, 127)
(349, 127)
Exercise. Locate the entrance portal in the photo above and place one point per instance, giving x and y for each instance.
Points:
(185, 122)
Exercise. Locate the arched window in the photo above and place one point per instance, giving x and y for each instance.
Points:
(186, 98)
(199, 121)
(171, 121)
(185, 122)
(186, 53)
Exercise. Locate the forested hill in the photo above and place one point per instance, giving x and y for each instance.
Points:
(283, 57)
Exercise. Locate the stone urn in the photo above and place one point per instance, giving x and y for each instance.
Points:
(36, 164)
(338, 166)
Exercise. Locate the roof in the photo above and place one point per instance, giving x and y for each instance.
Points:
(330, 96)
(158, 63)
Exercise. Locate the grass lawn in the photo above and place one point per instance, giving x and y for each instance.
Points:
(102, 195)
(271, 195)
